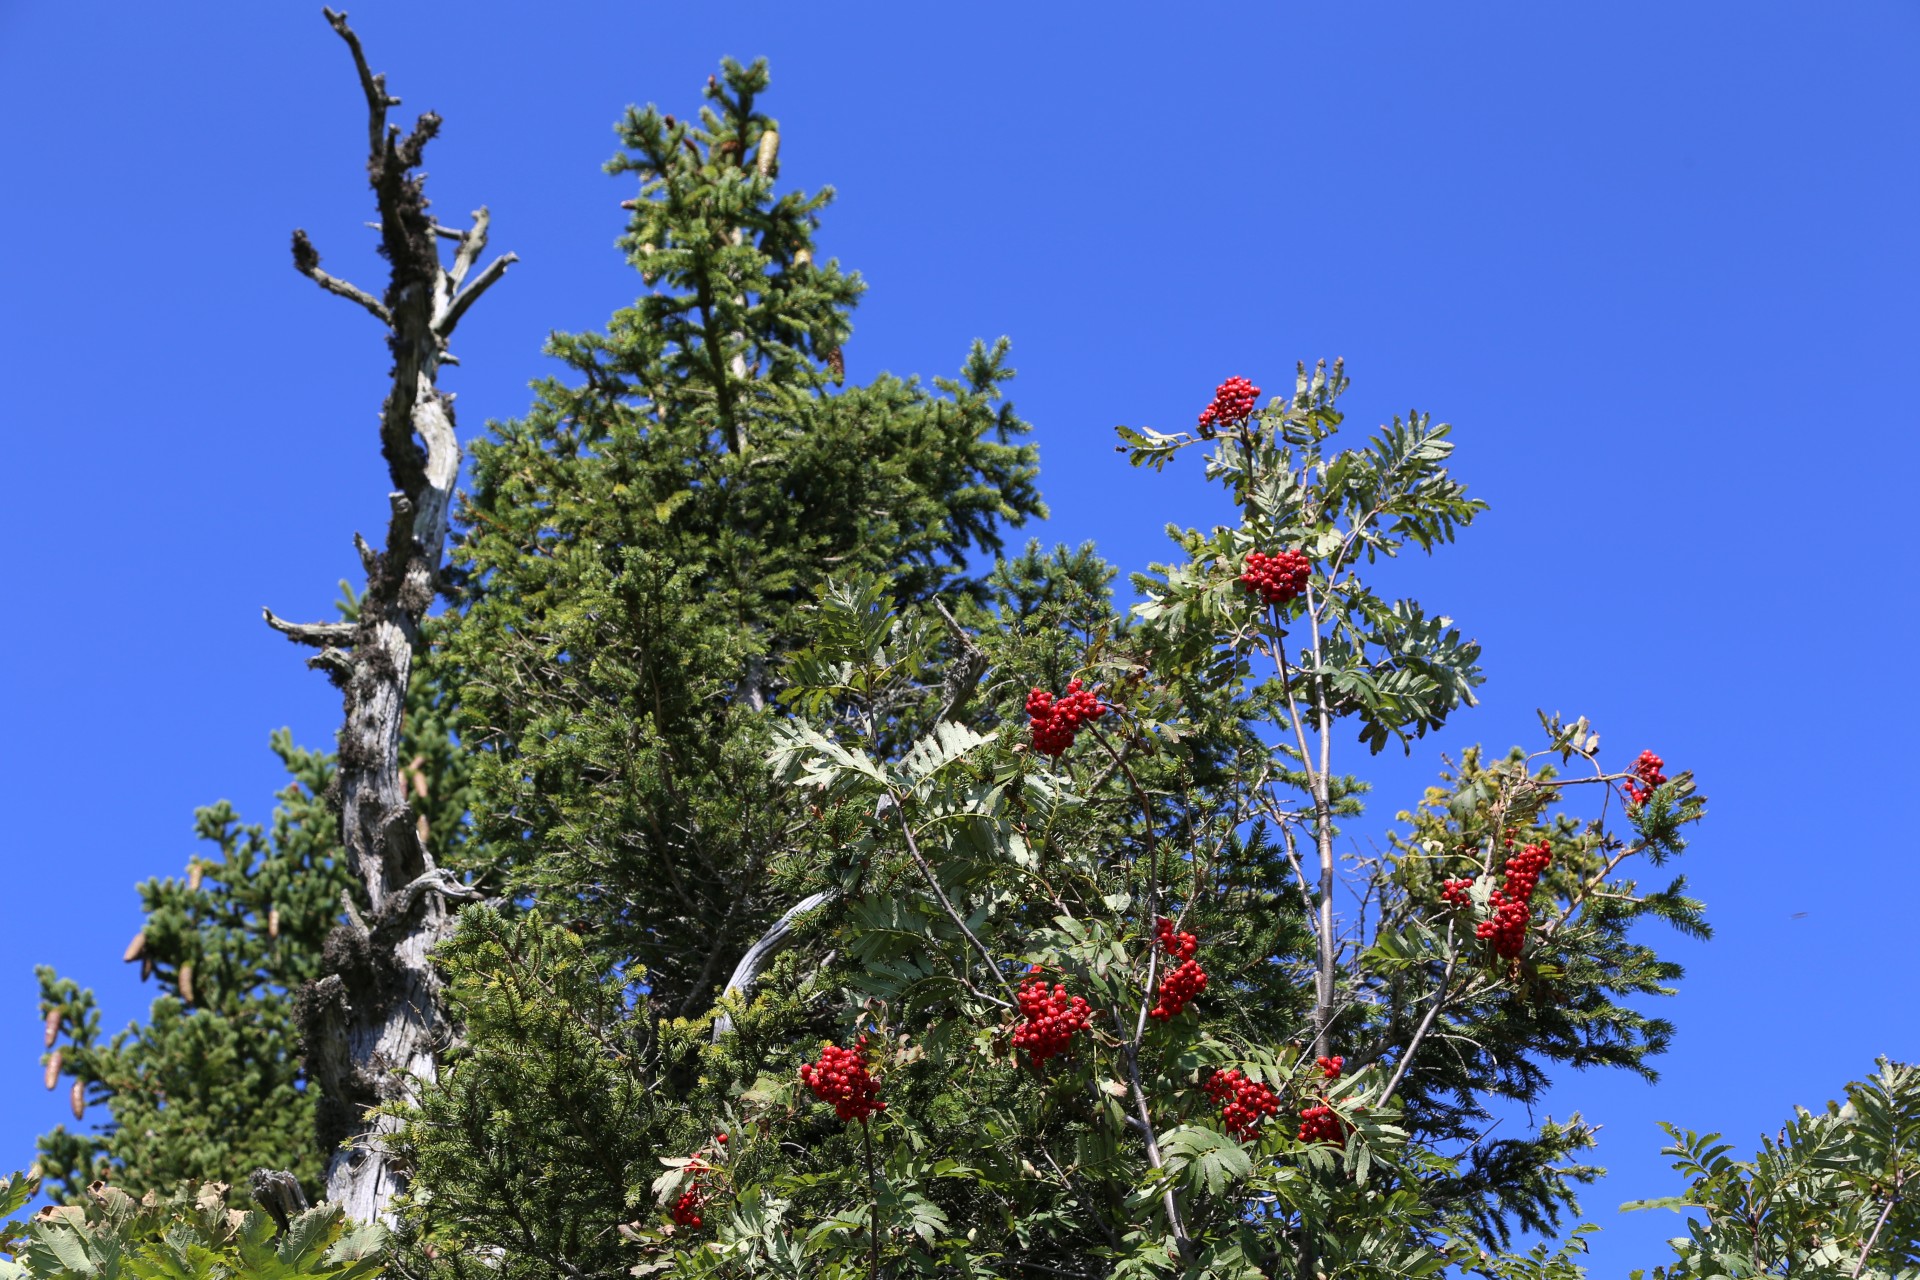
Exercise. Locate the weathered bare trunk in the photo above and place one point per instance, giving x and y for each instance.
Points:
(373, 1023)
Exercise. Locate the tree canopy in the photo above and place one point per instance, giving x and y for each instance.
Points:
(758, 868)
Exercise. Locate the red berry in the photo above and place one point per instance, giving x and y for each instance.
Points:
(1181, 985)
(1276, 579)
(1511, 904)
(1233, 402)
(841, 1078)
(1052, 1018)
(686, 1210)
(1243, 1103)
(1330, 1068)
(1056, 722)
(1647, 769)
(1319, 1124)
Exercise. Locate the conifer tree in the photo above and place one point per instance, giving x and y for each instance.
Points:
(642, 558)
(213, 1083)
(642, 548)
(210, 1086)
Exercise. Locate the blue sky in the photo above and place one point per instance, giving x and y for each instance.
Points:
(1656, 262)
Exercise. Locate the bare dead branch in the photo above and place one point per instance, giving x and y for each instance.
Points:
(375, 87)
(320, 635)
(306, 260)
(337, 663)
(471, 294)
(770, 943)
(472, 243)
(439, 881)
(963, 676)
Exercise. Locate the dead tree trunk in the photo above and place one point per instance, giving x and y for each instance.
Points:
(373, 1024)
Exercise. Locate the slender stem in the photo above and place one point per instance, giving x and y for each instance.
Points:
(1153, 883)
(1180, 1239)
(1322, 821)
(933, 883)
(873, 1211)
(1146, 807)
(1866, 1250)
(1426, 1023)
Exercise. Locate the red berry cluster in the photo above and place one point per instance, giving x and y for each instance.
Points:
(1233, 402)
(1319, 1124)
(1056, 722)
(1052, 1018)
(1276, 579)
(1457, 893)
(1243, 1103)
(1647, 770)
(1330, 1068)
(1513, 904)
(686, 1210)
(1180, 946)
(1184, 983)
(841, 1077)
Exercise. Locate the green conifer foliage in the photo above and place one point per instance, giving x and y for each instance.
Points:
(641, 548)
(211, 1085)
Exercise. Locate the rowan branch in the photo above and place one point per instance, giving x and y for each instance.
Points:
(933, 883)
(963, 677)
(306, 260)
(1426, 1023)
(1866, 1250)
(1129, 1051)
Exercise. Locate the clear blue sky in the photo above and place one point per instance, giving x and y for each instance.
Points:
(1657, 262)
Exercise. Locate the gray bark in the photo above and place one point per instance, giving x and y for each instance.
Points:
(770, 944)
(373, 1024)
